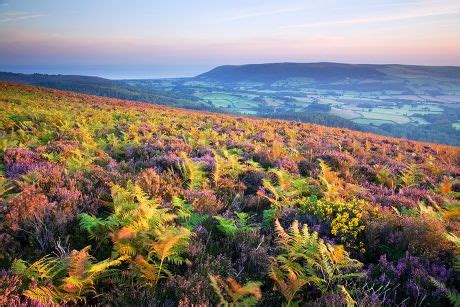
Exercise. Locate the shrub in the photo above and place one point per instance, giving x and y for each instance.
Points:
(203, 201)
(19, 161)
(413, 275)
(10, 290)
(150, 182)
(345, 218)
(287, 164)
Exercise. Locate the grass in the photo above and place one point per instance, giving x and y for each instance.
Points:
(456, 125)
(344, 113)
(376, 122)
(398, 119)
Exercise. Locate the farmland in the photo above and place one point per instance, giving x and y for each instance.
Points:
(414, 102)
(385, 106)
(402, 100)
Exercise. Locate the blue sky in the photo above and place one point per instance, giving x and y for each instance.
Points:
(139, 38)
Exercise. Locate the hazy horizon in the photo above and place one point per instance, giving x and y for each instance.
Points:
(149, 72)
(141, 39)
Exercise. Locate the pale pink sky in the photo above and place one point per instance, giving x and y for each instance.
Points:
(142, 38)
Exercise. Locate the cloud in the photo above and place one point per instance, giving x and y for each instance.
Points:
(379, 19)
(14, 16)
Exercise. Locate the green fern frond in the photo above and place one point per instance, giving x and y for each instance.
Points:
(45, 268)
(193, 172)
(95, 227)
(306, 259)
(226, 226)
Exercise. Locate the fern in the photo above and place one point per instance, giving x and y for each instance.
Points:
(445, 186)
(348, 299)
(410, 176)
(288, 283)
(268, 217)
(254, 164)
(306, 259)
(331, 180)
(290, 190)
(62, 280)
(47, 295)
(142, 232)
(230, 227)
(192, 172)
(226, 164)
(452, 294)
(95, 227)
(384, 176)
(168, 246)
(183, 210)
(46, 268)
(5, 187)
(188, 218)
(233, 293)
(226, 226)
(149, 271)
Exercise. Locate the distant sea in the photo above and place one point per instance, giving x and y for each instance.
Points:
(113, 71)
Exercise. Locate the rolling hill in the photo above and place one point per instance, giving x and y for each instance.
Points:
(327, 72)
(415, 102)
(114, 202)
(103, 87)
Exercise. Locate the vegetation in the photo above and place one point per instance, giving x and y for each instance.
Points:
(114, 202)
(406, 101)
(414, 102)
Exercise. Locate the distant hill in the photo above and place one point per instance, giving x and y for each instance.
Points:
(103, 87)
(325, 72)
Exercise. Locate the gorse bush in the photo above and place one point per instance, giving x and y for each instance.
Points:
(345, 218)
(188, 208)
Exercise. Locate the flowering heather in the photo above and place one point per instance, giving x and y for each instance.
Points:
(113, 202)
(19, 161)
(413, 277)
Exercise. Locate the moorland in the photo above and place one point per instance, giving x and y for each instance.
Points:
(114, 202)
(414, 102)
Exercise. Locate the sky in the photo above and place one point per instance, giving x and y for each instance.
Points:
(178, 38)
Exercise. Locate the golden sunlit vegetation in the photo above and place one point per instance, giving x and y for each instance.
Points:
(105, 201)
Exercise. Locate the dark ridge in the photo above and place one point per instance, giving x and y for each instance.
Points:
(321, 72)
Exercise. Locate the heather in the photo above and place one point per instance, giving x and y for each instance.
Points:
(106, 201)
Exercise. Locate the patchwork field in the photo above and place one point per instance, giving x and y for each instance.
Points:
(384, 109)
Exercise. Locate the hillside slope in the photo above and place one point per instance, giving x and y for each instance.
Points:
(102, 87)
(326, 72)
(139, 204)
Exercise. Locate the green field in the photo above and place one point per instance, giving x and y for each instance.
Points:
(295, 95)
(456, 125)
(398, 119)
(422, 105)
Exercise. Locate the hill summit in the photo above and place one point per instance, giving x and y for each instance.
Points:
(322, 72)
